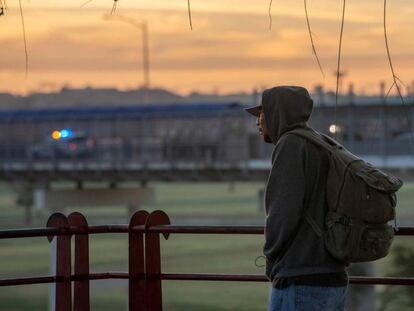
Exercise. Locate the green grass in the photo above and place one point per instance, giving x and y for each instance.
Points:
(180, 253)
(26, 297)
(218, 296)
(179, 200)
(405, 205)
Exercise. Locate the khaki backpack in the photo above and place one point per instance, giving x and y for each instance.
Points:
(361, 201)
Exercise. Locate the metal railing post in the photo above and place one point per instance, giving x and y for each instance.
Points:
(81, 287)
(153, 261)
(136, 264)
(63, 297)
(52, 271)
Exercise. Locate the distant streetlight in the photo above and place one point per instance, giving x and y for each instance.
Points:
(334, 128)
(145, 49)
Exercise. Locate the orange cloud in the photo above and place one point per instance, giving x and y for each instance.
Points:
(232, 51)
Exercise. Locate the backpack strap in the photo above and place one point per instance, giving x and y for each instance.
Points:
(324, 141)
(316, 228)
(327, 143)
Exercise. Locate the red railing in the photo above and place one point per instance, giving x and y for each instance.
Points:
(144, 272)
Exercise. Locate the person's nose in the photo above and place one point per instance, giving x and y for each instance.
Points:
(257, 122)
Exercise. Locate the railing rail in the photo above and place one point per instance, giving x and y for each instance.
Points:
(39, 232)
(144, 273)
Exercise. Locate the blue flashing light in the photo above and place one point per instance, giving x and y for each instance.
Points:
(65, 133)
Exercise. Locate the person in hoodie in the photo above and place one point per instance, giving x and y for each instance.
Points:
(304, 276)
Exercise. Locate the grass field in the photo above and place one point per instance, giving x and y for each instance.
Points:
(181, 253)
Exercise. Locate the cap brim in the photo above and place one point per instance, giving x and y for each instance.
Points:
(255, 110)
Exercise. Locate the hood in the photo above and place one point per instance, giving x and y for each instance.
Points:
(285, 108)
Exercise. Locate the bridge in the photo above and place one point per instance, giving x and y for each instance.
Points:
(178, 142)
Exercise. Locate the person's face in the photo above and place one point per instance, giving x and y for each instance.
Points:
(261, 125)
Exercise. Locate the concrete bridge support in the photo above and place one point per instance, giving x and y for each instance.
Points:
(40, 198)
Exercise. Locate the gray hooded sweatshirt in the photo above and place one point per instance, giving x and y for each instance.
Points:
(297, 181)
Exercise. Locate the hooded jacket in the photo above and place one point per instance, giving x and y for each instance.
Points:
(297, 181)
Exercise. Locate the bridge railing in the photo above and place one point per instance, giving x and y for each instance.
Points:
(144, 273)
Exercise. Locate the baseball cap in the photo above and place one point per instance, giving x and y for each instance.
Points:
(254, 110)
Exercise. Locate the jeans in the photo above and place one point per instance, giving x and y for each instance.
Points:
(307, 298)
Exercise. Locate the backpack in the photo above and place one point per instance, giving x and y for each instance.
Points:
(361, 201)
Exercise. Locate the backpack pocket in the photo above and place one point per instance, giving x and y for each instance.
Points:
(377, 179)
(361, 198)
(375, 242)
(351, 241)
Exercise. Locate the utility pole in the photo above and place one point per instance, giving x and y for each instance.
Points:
(145, 60)
(143, 26)
(341, 75)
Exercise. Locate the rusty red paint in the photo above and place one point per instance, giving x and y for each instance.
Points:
(37, 232)
(261, 278)
(406, 281)
(27, 281)
(136, 263)
(153, 261)
(405, 231)
(81, 287)
(208, 229)
(63, 298)
(27, 233)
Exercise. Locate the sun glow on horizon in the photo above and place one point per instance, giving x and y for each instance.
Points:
(230, 47)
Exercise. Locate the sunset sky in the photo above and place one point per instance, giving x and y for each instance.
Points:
(230, 48)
